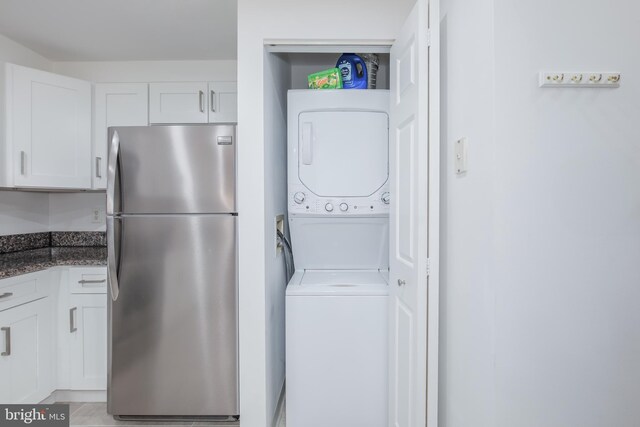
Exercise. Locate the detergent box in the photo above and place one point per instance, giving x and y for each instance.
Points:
(327, 79)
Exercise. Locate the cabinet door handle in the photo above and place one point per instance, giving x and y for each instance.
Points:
(91, 282)
(7, 346)
(22, 162)
(6, 295)
(72, 319)
(213, 105)
(201, 101)
(98, 167)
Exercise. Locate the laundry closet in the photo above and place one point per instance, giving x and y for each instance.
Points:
(279, 45)
(338, 199)
(330, 161)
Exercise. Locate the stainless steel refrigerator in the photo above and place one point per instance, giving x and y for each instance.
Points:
(172, 271)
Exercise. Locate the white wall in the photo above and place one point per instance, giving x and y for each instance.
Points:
(277, 79)
(260, 20)
(13, 52)
(35, 212)
(23, 212)
(149, 71)
(466, 395)
(74, 211)
(541, 238)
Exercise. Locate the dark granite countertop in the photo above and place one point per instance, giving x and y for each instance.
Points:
(28, 261)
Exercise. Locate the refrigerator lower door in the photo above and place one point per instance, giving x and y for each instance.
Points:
(173, 326)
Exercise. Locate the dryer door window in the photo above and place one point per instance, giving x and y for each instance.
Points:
(343, 153)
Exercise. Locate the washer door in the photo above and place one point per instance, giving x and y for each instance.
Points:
(343, 153)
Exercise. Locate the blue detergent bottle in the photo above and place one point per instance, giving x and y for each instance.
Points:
(353, 71)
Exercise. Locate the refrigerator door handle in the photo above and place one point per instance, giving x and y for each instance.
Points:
(112, 266)
(112, 170)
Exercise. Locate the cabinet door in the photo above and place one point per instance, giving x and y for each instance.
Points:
(50, 129)
(26, 347)
(115, 104)
(88, 329)
(223, 102)
(178, 102)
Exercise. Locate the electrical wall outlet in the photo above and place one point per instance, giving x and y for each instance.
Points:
(98, 216)
(280, 228)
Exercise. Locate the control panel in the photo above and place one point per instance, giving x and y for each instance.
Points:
(302, 201)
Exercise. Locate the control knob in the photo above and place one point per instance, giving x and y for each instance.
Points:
(299, 197)
(386, 197)
(344, 207)
(328, 207)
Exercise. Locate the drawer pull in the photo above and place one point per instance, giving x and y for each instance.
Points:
(6, 295)
(92, 282)
(72, 320)
(7, 346)
(98, 167)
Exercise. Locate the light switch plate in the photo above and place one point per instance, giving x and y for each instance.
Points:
(98, 215)
(460, 154)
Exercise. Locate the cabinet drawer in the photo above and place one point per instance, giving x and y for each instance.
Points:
(22, 289)
(91, 280)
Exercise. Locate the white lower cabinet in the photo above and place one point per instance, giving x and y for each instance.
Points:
(83, 333)
(53, 333)
(88, 343)
(27, 352)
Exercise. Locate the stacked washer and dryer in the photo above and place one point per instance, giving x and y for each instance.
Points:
(336, 302)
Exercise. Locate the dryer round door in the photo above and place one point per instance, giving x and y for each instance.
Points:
(343, 153)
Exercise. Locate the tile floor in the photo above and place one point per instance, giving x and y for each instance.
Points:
(95, 415)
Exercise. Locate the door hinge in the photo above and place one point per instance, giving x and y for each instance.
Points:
(428, 37)
(428, 267)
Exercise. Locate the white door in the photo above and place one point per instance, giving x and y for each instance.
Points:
(178, 102)
(50, 122)
(115, 104)
(409, 225)
(223, 102)
(26, 352)
(88, 329)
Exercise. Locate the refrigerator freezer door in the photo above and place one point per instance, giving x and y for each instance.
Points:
(173, 329)
(173, 169)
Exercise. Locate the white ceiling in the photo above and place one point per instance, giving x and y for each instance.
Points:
(121, 30)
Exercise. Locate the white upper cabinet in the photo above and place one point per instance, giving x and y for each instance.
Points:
(48, 130)
(178, 102)
(115, 104)
(196, 102)
(223, 102)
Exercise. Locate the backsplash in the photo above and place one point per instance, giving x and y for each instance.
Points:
(24, 242)
(78, 238)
